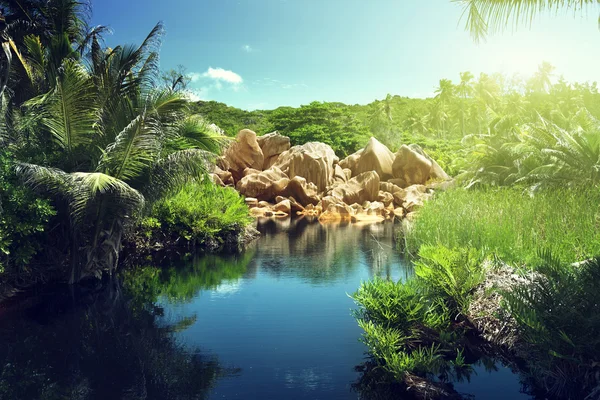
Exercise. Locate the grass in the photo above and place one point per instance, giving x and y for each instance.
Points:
(512, 223)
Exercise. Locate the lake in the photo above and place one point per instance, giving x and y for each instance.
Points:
(271, 323)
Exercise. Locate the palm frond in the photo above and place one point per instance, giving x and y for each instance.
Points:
(69, 109)
(134, 150)
(178, 168)
(485, 17)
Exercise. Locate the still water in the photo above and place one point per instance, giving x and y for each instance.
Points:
(272, 323)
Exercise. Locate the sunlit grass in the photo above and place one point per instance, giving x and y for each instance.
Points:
(512, 223)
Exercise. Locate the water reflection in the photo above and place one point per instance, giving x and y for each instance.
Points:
(99, 343)
(325, 253)
(181, 280)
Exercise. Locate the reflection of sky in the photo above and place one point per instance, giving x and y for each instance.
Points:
(226, 289)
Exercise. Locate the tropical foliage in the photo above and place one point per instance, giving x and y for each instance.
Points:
(558, 314)
(197, 215)
(93, 128)
(416, 328)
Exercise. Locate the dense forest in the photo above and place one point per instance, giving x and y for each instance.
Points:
(486, 120)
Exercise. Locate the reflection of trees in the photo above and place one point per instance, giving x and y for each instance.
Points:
(181, 280)
(100, 344)
(324, 252)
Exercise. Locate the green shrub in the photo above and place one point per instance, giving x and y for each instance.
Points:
(450, 274)
(512, 223)
(23, 219)
(559, 315)
(199, 212)
(414, 327)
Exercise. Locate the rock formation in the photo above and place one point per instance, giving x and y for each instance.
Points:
(368, 186)
(244, 153)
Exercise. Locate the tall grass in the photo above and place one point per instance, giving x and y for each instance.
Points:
(512, 223)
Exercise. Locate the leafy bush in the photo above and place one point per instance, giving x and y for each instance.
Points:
(559, 315)
(412, 327)
(200, 212)
(512, 223)
(23, 219)
(450, 274)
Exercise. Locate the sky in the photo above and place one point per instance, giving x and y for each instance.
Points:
(262, 54)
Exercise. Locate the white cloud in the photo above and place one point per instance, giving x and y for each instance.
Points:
(293, 85)
(194, 95)
(247, 48)
(195, 76)
(220, 74)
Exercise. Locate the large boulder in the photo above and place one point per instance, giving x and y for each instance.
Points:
(224, 176)
(411, 166)
(414, 197)
(272, 145)
(361, 188)
(375, 157)
(265, 185)
(244, 152)
(437, 172)
(313, 161)
(351, 162)
(302, 191)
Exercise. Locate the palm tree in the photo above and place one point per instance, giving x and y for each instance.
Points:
(485, 17)
(464, 90)
(541, 82)
(122, 141)
(438, 116)
(381, 119)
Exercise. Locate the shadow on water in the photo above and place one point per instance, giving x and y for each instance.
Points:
(100, 342)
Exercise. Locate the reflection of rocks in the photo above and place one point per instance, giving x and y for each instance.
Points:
(327, 251)
(301, 180)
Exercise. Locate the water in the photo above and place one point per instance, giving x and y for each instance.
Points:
(271, 323)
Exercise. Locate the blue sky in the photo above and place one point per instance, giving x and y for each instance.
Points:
(268, 53)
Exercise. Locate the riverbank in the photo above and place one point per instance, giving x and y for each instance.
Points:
(495, 264)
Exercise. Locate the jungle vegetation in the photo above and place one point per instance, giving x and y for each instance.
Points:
(95, 132)
(526, 202)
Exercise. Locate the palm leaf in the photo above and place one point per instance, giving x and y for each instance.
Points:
(69, 110)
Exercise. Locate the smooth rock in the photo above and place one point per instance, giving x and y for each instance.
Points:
(272, 145)
(336, 212)
(375, 157)
(351, 162)
(312, 161)
(361, 188)
(244, 152)
(411, 166)
(304, 192)
(436, 172)
(284, 206)
(265, 185)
